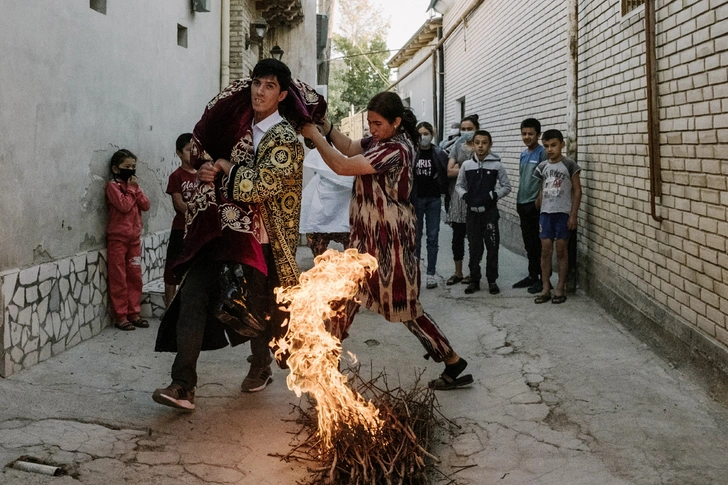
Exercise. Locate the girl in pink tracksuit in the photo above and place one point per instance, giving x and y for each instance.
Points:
(123, 236)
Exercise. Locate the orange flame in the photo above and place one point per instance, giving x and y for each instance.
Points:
(314, 353)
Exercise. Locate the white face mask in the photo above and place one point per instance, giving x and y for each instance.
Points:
(425, 141)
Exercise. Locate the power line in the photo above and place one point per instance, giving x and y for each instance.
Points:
(362, 54)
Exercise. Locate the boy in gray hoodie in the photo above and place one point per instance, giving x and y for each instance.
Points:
(476, 184)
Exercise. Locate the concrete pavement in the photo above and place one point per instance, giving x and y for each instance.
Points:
(563, 395)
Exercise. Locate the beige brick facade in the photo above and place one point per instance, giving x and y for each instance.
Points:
(242, 60)
(508, 62)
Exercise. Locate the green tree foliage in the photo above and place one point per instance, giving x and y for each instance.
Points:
(361, 71)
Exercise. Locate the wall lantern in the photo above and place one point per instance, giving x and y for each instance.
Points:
(200, 5)
(257, 32)
(276, 52)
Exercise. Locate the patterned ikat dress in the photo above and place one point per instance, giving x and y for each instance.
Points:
(383, 224)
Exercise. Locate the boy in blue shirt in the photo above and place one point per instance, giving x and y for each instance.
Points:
(559, 200)
(476, 184)
(528, 189)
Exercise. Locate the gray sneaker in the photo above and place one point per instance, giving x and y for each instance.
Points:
(175, 396)
(258, 377)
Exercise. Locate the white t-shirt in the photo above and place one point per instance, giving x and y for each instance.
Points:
(556, 187)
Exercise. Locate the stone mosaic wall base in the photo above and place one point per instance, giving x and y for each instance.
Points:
(153, 299)
(54, 306)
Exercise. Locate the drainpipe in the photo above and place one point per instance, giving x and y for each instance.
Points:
(434, 92)
(441, 72)
(653, 116)
(572, 73)
(572, 118)
(225, 45)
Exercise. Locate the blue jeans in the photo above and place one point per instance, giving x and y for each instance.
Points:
(427, 210)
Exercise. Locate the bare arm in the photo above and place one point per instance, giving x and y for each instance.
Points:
(339, 161)
(453, 168)
(575, 200)
(180, 207)
(342, 142)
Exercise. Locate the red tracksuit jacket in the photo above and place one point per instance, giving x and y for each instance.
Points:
(126, 204)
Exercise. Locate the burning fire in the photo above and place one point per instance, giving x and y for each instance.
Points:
(314, 353)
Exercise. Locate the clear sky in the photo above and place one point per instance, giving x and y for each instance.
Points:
(405, 18)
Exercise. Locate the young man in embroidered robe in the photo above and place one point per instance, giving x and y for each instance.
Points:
(246, 211)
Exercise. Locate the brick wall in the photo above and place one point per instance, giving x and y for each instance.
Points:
(242, 61)
(509, 62)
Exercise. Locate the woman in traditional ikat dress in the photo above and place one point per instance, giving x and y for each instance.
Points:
(382, 222)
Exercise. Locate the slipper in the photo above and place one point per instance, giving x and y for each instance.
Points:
(125, 326)
(466, 280)
(447, 383)
(542, 299)
(140, 322)
(453, 279)
(557, 299)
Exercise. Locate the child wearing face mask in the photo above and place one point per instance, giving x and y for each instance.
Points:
(430, 180)
(126, 201)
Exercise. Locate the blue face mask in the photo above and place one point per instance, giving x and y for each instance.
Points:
(467, 135)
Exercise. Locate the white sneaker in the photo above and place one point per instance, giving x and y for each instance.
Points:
(431, 282)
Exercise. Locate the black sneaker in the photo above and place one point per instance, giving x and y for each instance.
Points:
(493, 288)
(257, 379)
(535, 288)
(175, 396)
(525, 282)
(472, 287)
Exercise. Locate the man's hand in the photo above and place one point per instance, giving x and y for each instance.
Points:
(208, 172)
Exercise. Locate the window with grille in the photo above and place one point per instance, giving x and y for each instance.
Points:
(629, 5)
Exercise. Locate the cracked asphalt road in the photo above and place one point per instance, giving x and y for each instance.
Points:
(563, 395)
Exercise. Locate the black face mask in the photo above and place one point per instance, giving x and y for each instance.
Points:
(126, 173)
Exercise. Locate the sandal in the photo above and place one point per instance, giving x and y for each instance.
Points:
(558, 299)
(542, 299)
(447, 383)
(466, 280)
(125, 326)
(140, 322)
(453, 279)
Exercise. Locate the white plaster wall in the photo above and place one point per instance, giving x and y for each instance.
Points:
(418, 85)
(75, 85)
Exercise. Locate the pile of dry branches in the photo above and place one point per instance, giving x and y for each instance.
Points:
(397, 455)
